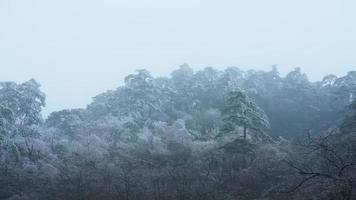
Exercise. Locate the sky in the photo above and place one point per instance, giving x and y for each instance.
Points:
(77, 49)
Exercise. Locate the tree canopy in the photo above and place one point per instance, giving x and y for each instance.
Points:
(203, 135)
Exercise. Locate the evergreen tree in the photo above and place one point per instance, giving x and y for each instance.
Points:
(241, 111)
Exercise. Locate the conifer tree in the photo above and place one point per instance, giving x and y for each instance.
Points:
(241, 111)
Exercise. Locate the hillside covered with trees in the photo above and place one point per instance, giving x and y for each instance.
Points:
(204, 135)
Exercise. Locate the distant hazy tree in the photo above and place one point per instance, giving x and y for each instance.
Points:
(232, 77)
(345, 88)
(328, 80)
(68, 122)
(348, 126)
(143, 95)
(182, 76)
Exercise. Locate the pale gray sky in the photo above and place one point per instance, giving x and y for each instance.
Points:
(79, 48)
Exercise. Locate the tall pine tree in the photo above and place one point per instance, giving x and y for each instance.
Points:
(241, 111)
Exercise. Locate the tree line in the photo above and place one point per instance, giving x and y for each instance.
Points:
(209, 134)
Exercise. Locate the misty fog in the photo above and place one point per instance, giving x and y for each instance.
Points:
(56, 42)
(177, 100)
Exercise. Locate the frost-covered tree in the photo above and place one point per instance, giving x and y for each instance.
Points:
(143, 95)
(6, 121)
(21, 148)
(24, 100)
(241, 111)
(20, 109)
(68, 122)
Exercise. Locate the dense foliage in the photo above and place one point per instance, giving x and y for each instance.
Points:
(209, 134)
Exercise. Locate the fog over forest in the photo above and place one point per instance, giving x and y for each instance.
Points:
(194, 135)
(77, 49)
(231, 100)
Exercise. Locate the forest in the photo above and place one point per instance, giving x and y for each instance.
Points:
(194, 135)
